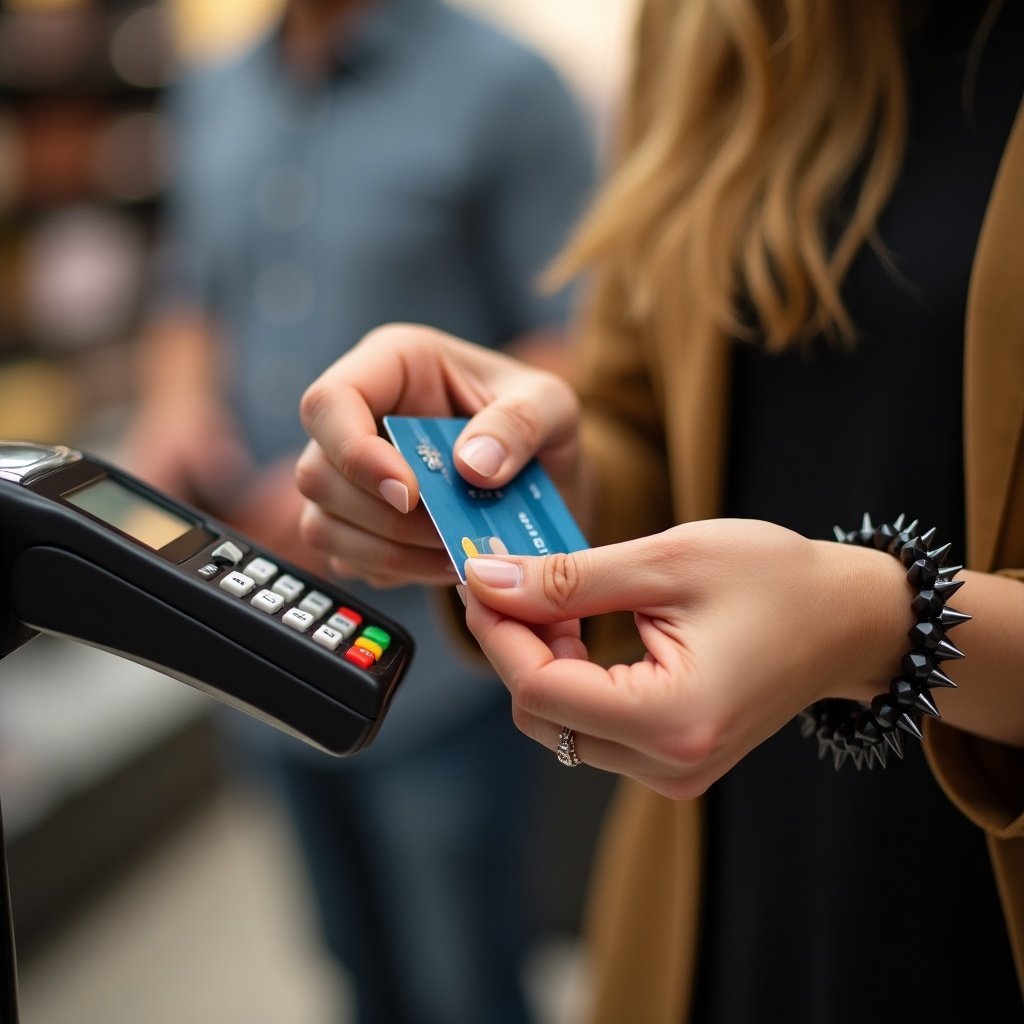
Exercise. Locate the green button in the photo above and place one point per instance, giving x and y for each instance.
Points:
(378, 636)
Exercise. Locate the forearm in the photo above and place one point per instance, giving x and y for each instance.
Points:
(177, 360)
(181, 437)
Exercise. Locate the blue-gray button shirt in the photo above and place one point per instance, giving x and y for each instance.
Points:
(429, 178)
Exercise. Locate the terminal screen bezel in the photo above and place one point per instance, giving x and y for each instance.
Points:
(69, 480)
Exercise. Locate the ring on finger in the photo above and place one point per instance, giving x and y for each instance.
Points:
(566, 749)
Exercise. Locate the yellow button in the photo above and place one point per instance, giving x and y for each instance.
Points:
(368, 645)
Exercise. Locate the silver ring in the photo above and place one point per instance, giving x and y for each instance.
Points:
(566, 749)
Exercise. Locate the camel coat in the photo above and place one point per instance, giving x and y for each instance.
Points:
(652, 404)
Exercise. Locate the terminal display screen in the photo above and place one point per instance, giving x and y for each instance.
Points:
(131, 512)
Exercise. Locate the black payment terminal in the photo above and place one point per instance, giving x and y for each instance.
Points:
(89, 552)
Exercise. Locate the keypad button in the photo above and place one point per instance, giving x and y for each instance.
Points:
(345, 626)
(351, 614)
(297, 619)
(268, 602)
(237, 584)
(378, 636)
(368, 645)
(317, 604)
(262, 570)
(364, 659)
(227, 554)
(327, 637)
(288, 587)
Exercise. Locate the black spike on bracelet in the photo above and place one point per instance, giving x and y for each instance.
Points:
(867, 733)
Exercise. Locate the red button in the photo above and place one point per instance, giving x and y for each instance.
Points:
(351, 615)
(359, 656)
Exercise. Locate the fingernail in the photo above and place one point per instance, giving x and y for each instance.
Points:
(461, 591)
(495, 573)
(483, 454)
(395, 493)
(569, 647)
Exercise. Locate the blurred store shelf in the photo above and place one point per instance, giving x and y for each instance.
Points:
(83, 164)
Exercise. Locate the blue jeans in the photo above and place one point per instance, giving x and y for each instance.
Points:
(417, 871)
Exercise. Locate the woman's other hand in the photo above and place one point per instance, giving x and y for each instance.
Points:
(744, 625)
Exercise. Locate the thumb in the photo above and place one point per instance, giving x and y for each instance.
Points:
(630, 576)
(540, 419)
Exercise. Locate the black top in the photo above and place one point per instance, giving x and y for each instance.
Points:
(865, 896)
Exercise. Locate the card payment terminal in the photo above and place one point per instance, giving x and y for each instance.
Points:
(89, 552)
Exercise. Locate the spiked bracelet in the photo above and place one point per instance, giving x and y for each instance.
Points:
(866, 733)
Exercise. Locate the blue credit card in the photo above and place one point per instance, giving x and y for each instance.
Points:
(527, 515)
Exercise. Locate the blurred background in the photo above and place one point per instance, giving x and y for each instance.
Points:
(149, 883)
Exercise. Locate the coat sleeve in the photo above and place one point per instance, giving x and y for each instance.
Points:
(985, 781)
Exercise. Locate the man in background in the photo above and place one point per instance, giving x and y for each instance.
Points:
(368, 161)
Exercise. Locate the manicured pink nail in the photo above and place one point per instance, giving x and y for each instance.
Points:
(495, 573)
(483, 454)
(395, 493)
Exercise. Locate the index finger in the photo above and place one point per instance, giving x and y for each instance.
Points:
(393, 368)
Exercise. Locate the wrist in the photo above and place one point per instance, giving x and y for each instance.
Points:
(853, 727)
(869, 592)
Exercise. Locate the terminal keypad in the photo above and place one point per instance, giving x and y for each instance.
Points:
(278, 594)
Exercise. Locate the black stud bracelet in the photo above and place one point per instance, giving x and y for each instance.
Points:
(866, 733)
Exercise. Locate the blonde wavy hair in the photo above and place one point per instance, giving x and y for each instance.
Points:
(746, 125)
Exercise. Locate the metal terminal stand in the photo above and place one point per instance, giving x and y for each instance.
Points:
(9, 967)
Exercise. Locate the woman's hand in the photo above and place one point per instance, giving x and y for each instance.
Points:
(363, 494)
(744, 625)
